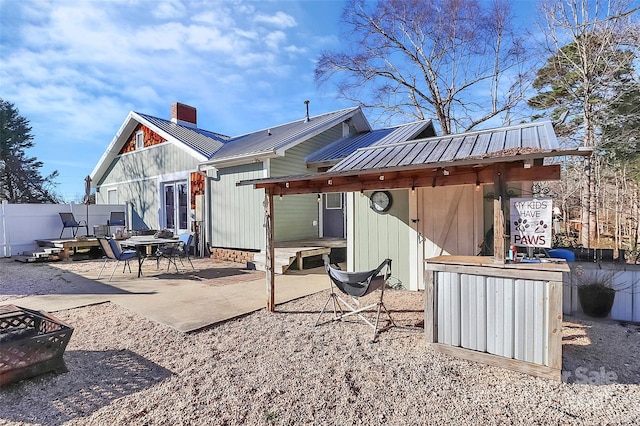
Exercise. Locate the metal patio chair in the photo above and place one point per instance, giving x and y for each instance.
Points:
(113, 251)
(116, 219)
(355, 285)
(177, 250)
(68, 221)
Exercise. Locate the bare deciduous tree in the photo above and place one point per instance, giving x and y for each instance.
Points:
(458, 61)
(583, 39)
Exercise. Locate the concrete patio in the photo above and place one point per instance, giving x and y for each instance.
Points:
(186, 301)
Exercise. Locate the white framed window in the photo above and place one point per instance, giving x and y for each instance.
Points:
(112, 196)
(139, 139)
(333, 201)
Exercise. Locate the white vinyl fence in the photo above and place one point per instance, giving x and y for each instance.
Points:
(625, 278)
(22, 224)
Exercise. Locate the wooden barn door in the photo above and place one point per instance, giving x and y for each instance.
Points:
(451, 220)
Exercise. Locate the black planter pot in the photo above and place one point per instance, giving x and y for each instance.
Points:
(596, 300)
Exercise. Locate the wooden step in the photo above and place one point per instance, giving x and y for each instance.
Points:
(281, 263)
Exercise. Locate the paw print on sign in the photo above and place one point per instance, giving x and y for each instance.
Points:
(521, 225)
(540, 227)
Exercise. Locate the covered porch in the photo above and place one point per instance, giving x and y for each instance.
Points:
(496, 157)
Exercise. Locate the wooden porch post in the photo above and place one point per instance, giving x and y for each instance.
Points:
(269, 252)
(498, 213)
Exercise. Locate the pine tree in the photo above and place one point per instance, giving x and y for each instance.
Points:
(20, 178)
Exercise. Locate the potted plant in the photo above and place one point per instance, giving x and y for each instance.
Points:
(596, 292)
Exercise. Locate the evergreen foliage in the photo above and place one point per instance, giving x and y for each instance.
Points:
(20, 178)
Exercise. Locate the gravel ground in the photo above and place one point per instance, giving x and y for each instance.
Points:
(276, 368)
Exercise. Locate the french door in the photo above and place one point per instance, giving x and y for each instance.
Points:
(175, 206)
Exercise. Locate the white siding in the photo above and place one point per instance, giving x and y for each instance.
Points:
(625, 278)
(473, 297)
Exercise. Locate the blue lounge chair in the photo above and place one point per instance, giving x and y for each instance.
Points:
(113, 251)
(68, 221)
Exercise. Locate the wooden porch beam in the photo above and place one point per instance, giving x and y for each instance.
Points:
(269, 250)
(500, 186)
(512, 172)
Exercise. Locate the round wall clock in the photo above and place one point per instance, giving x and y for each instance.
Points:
(381, 201)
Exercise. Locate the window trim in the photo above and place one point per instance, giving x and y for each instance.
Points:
(139, 139)
(326, 201)
(112, 191)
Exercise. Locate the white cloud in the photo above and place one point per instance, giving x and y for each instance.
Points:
(295, 49)
(274, 39)
(168, 9)
(75, 69)
(279, 19)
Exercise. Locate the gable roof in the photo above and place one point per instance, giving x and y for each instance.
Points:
(202, 141)
(198, 142)
(530, 138)
(276, 140)
(336, 151)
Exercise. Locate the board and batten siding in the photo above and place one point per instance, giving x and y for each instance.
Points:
(380, 236)
(296, 216)
(237, 214)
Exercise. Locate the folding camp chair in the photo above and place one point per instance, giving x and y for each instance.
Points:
(68, 221)
(355, 285)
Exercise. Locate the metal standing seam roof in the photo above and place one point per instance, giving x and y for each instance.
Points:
(346, 146)
(203, 141)
(526, 138)
(269, 141)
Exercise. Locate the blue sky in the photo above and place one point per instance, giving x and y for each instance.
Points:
(76, 68)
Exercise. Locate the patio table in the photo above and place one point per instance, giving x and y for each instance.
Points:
(144, 242)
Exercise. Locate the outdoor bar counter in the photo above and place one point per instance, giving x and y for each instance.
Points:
(503, 314)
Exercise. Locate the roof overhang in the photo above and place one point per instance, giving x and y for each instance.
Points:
(354, 114)
(128, 126)
(518, 167)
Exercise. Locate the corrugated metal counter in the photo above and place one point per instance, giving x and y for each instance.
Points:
(509, 315)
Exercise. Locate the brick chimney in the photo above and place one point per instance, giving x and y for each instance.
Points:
(184, 114)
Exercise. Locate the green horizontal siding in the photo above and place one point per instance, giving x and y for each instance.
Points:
(158, 160)
(136, 176)
(143, 197)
